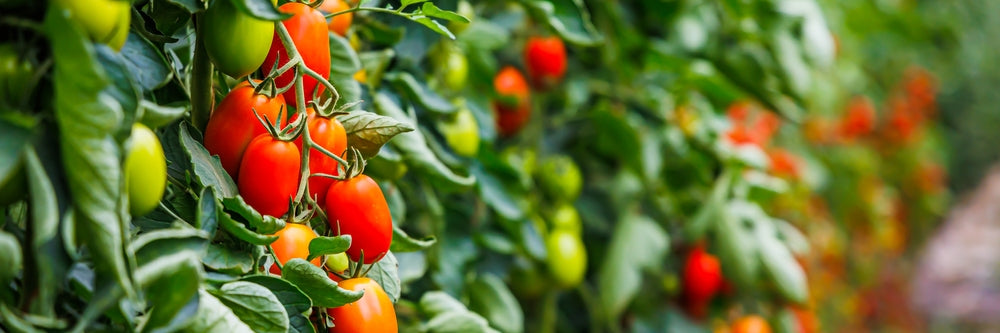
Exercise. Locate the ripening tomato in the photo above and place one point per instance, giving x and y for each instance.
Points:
(545, 58)
(307, 27)
(567, 258)
(702, 276)
(340, 23)
(235, 41)
(357, 207)
(513, 107)
(461, 132)
(16, 73)
(784, 163)
(751, 324)
(451, 66)
(105, 21)
(337, 262)
(269, 174)
(145, 171)
(233, 124)
(293, 242)
(921, 89)
(327, 133)
(565, 217)
(373, 313)
(560, 178)
(859, 120)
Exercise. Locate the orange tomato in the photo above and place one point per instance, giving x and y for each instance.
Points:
(751, 324)
(293, 242)
(338, 24)
(373, 313)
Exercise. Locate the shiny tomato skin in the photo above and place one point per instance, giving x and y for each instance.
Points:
(702, 276)
(545, 58)
(145, 171)
(307, 27)
(269, 174)
(233, 124)
(359, 207)
(567, 258)
(235, 41)
(373, 313)
(328, 133)
(513, 108)
(340, 23)
(293, 242)
(104, 21)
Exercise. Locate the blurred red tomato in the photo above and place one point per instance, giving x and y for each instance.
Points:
(859, 119)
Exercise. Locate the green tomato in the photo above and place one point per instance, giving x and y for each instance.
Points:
(105, 21)
(565, 217)
(451, 65)
(236, 42)
(560, 178)
(464, 9)
(462, 132)
(567, 258)
(337, 262)
(145, 171)
(15, 76)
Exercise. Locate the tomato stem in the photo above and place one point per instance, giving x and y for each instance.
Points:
(202, 97)
(274, 257)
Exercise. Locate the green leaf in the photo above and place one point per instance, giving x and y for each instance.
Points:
(438, 302)
(240, 230)
(780, 265)
(375, 63)
(147, 65)
(255, 306)
(151, 245)
(368, 131)
(264, 224)
(637, 243)
(49, 267)
(261, 9)
(495, 194)
(401, 242)
(385, 272)
(207, 168)
(224, 259)
(433, 25)
(11, 258)
(406, 3)
(192, 6)
(420, 93)
(17, 131)
(169, 282)
(429, 9)
(736, 245)
(295, 301)
(207, 218)
(321, 246)
(312, 280)
(348, 88)
(155, 115)
(569, 18)
(343, 59)
(414, 148)
(122, 87)
(458, 322)
(215, 317)
(92, 159)
(491, 298)
(412, 266)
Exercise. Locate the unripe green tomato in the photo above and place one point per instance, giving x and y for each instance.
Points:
(105, 21)
(560, 178)
(464, 9)
(452, 67)
(337, 262)
(565, 217)
(236, 42)
(15, 76)
(145, 171)
(520, 158)
(462, 132)
(567, 258)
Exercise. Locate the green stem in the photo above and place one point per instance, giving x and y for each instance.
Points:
(202, 98)
(371, 9)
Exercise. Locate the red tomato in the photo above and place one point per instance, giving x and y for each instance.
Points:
(514, 107)
(233, 124)
(373, 313)
(784, 163)
(339, 23)
(921, 89)
(358, 206)
(307, 27)
(751, 324)
(269, 174)
(545, 58)
(859, 119)
(328, 133)
(702, 276)
(293, 242)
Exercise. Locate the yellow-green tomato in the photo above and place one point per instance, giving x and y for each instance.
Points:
(567, 258)
(337, 262)
(452, 66)
(560, 178)
(236, 42)
(105, 21)
(462, 132)
(145, 171)
(464, 9)
(565, 217)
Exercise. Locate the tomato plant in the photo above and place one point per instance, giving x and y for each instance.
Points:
(145, 170)
(374, 312)
(236, 41)
(357, 207)
(307, 29)
(512, 106)
(269, 174)
(234, 124)
(293, 242)
(328, 133)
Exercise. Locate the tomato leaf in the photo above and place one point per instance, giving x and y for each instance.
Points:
(192, 6)
(420, 93)
(401, 242)
(780, 265)
(146, 64)
(206, 218)
(375, 63)
(321, 246)
(254, 305)
(569, 18)
(261, 9)
(438, 302)
(314, 282)
(637, 243)
(227, 260)
(17, 132)
(213, 316)
(491, 298)
(432, 10)
(736, 246)
(154, 244)
(122, 87)
(343, 59)
(155, 115)
(240, 230)
(295, 301)
(207, 168)
(264, 224)
(385, 272)
(368, 131)
(433, 24)
(412, 266)
(458, 322)
(11, 259)
(169, 281)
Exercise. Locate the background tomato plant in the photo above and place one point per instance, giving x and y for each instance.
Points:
(648, 166)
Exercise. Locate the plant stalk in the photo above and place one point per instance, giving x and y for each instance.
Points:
(202, 97)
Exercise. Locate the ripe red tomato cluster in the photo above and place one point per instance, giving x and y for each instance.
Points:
(545, 59)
